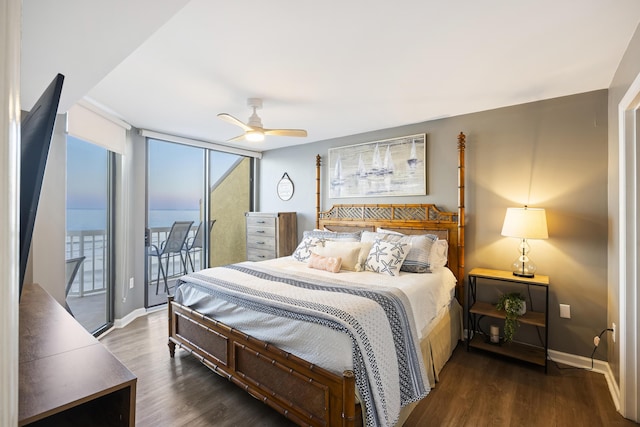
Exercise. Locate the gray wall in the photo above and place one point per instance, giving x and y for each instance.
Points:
(550, 154)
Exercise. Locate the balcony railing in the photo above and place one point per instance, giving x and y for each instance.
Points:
(91, 277)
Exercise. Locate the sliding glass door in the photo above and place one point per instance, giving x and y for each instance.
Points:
(196, 200)
(89, 234)
(175, 209)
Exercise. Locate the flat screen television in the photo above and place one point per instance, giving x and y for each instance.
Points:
(36, 130)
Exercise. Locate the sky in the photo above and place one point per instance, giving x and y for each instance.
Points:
(176, 174)
(86, 175)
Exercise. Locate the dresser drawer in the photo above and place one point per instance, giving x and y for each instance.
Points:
(261, 221)
(261, 242)
(261, 231)
(256, 254)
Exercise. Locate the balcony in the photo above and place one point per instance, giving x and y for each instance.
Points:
(87, 296)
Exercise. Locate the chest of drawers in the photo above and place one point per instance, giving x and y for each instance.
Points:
(270, 235)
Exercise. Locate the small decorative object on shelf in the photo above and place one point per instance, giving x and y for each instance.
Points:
(494, 337)
(514, 305)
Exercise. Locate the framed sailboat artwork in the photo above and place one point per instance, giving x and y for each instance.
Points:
(390, 167)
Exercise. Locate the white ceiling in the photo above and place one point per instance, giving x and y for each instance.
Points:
(333, 67)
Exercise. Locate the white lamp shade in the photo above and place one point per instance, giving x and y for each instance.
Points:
(525, 223)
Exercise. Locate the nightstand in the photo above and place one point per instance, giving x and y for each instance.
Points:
(478, 336)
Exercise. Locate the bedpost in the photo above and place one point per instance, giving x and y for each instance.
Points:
(461, 219)
(318, 164)
(349, 399)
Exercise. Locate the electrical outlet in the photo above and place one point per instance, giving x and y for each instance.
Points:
(565, 311)
(613, 333)
(131, 283)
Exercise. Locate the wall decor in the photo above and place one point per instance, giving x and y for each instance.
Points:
(391, 167)
(285, 187)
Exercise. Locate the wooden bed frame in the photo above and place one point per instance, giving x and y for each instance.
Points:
(303, 392)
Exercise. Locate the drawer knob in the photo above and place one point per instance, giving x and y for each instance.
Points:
(260, 231)
(260, 243)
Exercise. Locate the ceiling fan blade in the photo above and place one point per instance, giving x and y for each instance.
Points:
(286, 132)
(230, 119)
(237, 138)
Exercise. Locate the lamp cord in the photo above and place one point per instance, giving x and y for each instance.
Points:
(595, 347)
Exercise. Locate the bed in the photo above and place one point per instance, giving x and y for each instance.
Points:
(353, 380)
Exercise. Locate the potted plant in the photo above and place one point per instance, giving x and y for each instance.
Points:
(514, 305)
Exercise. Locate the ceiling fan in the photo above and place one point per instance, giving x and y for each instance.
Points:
(253, 131)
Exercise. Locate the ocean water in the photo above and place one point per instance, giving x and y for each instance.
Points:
(95, 219)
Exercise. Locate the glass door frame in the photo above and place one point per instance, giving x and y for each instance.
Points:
(109, 273)
(206, 198)
(205, 213)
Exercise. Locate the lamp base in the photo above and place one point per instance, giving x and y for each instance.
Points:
(521, 274)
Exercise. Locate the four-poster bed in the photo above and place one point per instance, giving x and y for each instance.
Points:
(305, 392)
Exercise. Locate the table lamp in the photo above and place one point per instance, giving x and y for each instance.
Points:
(525, 223)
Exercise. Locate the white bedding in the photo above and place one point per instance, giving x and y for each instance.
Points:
(428, 294)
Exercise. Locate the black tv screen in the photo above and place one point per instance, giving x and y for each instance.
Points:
(36, 130)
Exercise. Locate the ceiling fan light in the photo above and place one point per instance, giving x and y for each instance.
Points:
(254, 136)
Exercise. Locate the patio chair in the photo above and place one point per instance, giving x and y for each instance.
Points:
(173, 245)
(72, 267)
(196, 242)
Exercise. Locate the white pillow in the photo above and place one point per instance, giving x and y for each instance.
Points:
(303, 251)
(384, 230)
(439, 253)
(387, 257)
(353, 254)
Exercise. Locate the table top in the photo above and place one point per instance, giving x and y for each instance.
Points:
(508, 276)
(61, 364)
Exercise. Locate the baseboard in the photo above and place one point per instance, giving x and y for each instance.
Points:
(599, 366)
(139, 312)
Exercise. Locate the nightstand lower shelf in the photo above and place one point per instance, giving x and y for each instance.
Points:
(516, 350)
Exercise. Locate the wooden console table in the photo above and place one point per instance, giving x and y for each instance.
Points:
(66, 375)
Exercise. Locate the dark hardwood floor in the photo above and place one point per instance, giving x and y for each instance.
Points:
(476, 389)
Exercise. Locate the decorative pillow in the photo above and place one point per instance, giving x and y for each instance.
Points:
(417, 260)
(387, 257)
(332, 235)
(387, 231)
(330, 264)
(372, 236)
(439, 253)
(303, 251)
(353, 254)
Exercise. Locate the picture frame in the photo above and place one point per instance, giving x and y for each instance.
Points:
(389, 167)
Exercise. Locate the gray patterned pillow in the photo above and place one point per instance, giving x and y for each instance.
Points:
(306, 246)
(333, 235)
(387, 257)
(418, 260)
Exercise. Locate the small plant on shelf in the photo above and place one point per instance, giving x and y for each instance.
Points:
(514, 305)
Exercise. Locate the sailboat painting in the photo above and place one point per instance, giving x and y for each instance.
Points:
(392, 167)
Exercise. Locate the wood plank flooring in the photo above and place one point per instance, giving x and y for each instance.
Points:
(475, 389)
